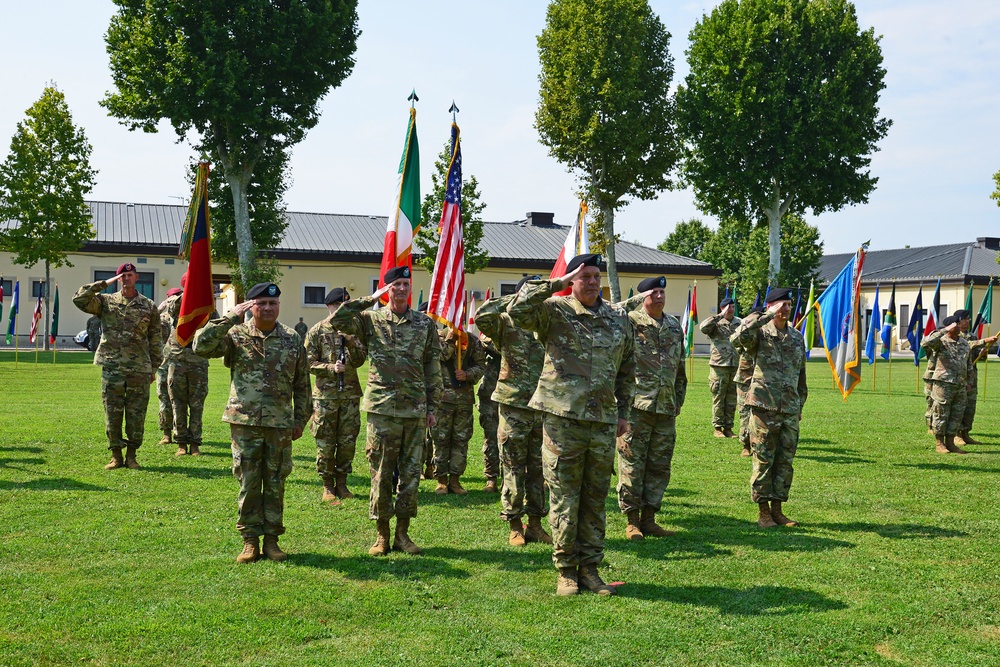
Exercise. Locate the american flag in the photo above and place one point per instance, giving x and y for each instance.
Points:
(447, 295)
(36, 317)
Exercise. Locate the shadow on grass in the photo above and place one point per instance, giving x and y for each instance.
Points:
(816, 441)
(396, 566)
(756, 601)
(945, 466)
(20, 448)
(842, 459)
(12, 463)
(196, 472)
(708, 533)
(50, 484)
(900, 531)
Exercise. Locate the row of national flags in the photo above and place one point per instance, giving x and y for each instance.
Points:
(36, 315)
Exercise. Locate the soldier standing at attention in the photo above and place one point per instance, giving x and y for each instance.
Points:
(722, 367)
(453, 430)
(130, 351)
(302, 328)
(166, 416)
(334, 358)
(267, 409)
(744, 373)
(647, 448)
(520, 426)
(978, 350)
(585, 392)
(776, 395)
(401, 396)
(489, 416)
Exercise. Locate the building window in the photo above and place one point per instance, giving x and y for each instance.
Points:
(313, 295)
(140, 260)
(8, 288)
(942, 312)
(144, 284)
(374, 285)
(168, 261)
(37, 288)
(904, 320)
(507, 287)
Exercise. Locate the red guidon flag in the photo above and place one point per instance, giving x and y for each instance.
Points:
(577, 243)
(198, 300)
(447, 296)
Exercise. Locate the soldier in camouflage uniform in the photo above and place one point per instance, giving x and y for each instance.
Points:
(453, 430)
(129, 353)
(401, 397)
(928, 399)
(646, 450)
(489, 414)
(585, 391)
(520, 426)
(744, 373)
(334, 358)
(776, 395)
(166, 417)
(302, 329)
(93, 332)
(268, 408)
(978, 349)
(722, 367)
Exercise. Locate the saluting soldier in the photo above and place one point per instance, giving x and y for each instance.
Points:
(166, 416)
(776, 396)
(401, 396)
(268, 408)
(722, 367)
(647, 448)
(744, 373)
(978, 350)
(130, 351)
(453, 430)
(334, 358)
(585, 392)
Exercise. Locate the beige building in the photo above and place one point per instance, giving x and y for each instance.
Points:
(322, 251)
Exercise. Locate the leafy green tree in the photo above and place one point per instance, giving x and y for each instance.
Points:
(244, 78)
(779, 113)
(43, 183)
(606, 111)
(429, 237)
(688, 239)
(996, 193)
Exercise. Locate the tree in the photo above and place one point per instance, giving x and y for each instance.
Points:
(996, 193)
(779, 112)
(429, 237)
(688, 239)
(606, 111)
(43, 183)
(245, 77)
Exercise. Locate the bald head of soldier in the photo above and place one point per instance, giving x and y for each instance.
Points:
(266, 305)
(586, 285)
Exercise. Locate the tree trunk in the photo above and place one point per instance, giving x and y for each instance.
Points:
(609, 231)
(48, 306)
(238, 176)
(774, 213)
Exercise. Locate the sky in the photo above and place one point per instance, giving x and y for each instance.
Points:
(934, 168)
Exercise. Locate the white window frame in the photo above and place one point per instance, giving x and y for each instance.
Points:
(501, 283)
(324, 286)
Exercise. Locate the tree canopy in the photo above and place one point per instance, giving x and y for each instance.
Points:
(605, 107)
(245, 77)
(688, 239)
(779, 113)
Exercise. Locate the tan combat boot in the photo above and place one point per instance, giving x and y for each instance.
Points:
(381, 546)
(116, 459)
(517, 533)
(130, 461)
(251, 550)
(271, 549)
(491, 486)
(535, 532)
(719, 433)
(166, 439)
(194, 449)
(632, 530)
(764, 518)
(778, 516)
(442, 485)
(428, 472)
(591, 580)
(746, 451)
(402, 541)
(963, 438)
(455, 486)
(182, 449)
(940, 447)
(567, 583)
(648, 525)
(949, 443)
(329, 491)
(342, 490)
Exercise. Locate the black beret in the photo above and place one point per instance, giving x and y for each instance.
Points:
(520, 283)
(726, 302)
(395, 273)
(658, 282)
(779, 294)
(951, 319)
(962, 314)
(263, 290)
(127, 266)
(337, 295)
(422, 307)
(759, 310)
(583, 260)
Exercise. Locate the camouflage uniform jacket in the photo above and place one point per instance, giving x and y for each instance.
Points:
(323, 348)
(719, 329)
(744, 368)
(491, 369)
(778, 383)
(521, 355)
(269, 373)
(589, 368)
(975, 349)
(954, 357)
(404, 371)
(473, 363)
(660, 377)
(173, 350)
(130, 329)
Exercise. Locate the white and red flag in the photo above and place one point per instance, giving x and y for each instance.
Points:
(36, 316)
(404, 217)
(577, 243)
(447, 296)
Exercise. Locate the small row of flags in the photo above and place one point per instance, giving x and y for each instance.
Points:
(36, 316)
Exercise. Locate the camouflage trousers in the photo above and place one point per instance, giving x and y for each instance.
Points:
(774, 438)
(969, 416)
(577, 459)
(335, 425)
(644, 466)
(948, 409)
(392, 442)
(125, 397)
(188, 386)
(520, 443)
(743, 410)
(163, 393)
(489, 420)
(723, 387)
(262, 459)
(928, 413)
(451, 437)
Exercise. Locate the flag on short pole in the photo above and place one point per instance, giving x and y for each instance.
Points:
(54, 329)
(736, 303)
(807, 325)
(630, 293)
(404, 216)
(837, 311)
(12, 313)
(968, 298)
(198, 299)
(798, 304)
(985, 314)
(915, 328)
(36, 316)
(692, 320)
(446, 304)
(932, 314)
(1, 297)
(685, 316)
(873, 328)
(756, 301)
(888, 322)
(577, 243)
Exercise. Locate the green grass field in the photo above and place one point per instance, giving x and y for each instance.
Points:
(895, 563)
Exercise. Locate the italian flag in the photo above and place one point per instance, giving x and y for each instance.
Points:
(577, 243)
(404, 216)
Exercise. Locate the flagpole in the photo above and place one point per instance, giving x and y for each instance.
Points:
(36, 344)
(874, 370)
(888, 390)
(986, 371)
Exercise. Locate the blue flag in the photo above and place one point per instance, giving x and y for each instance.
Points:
(873, 327)
(915, 329)
(837, 310)
(888, 322)
(756, 302)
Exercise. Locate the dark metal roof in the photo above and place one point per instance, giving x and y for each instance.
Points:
(951, 262)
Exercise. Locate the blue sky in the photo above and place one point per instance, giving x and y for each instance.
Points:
(935, 167)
